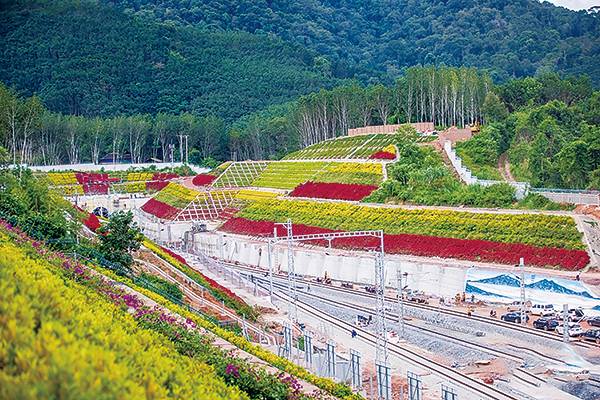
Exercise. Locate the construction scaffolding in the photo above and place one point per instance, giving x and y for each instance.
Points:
(240, 174)
(209, 206)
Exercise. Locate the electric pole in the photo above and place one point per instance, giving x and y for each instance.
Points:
(291, 278)
(523, 311)
(400, 277)
(381, 344)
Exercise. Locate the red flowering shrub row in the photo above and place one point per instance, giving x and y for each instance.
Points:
(174, 255)
(95, 188)
(338, 191)
(203, 179)
(430, 246)
(90, 177)
(93, 177)
(88, 219)
(92, 222)
(383, 155)
(155, 186)
(160, 210)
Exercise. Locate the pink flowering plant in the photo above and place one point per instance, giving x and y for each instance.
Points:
(188, 340)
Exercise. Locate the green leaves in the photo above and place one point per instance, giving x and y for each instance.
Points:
(118, 238)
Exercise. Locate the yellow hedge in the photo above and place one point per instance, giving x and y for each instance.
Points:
(59, 339)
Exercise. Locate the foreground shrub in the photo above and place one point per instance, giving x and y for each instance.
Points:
(66, 341)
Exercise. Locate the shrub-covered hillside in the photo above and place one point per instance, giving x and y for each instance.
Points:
(368, 38)
(547, 129)
(86, 58)
(63, 340)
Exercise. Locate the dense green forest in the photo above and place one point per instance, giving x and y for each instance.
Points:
(371, 39)
(231, 58)
(548, 128)
(446, 96)
(90, 59)
(256, 80)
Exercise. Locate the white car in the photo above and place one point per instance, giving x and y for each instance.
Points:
(574, 329)
(543, 310)
(575, 314)
(516, 306)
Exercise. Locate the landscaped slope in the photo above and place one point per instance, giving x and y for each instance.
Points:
(357, 147)
(70, 332)
(544, 240)
(71, 183)
(64, 340)
(333, 180)
(176, 201)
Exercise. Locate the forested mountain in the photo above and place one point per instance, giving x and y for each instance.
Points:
(372, 39)
(90, 59)
(231, 58)
(548, 128)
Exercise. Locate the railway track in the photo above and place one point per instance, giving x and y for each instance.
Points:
(454, 313)
(259, 333)
(472, 385)
(395, 319)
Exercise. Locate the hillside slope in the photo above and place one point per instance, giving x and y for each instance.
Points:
(91, 59)
(368, 38)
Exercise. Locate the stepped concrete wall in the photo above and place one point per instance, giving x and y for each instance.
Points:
(421, 127)
(588, 197)
(440, 278)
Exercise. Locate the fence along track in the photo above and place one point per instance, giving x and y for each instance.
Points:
(454, 313)
(257, 331)
(439, 369)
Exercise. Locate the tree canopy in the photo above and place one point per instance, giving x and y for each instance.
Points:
(88, 58)
(373, 39)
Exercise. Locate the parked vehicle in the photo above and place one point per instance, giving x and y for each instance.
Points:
(513, 317)
(594, 321)
(575, 314)
(547, 324)
(347, 285)
(417, 297)
(592, 335)
(574, 329)
(543, 310)
(363, 321)
(516, 306)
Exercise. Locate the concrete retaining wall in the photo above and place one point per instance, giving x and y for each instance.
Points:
(445, 279)
(421, 127)
(574, 197)
(521, 188)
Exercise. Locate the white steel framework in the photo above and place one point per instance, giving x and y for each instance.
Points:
(381, 344)
(240, 174)
(207, 206)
